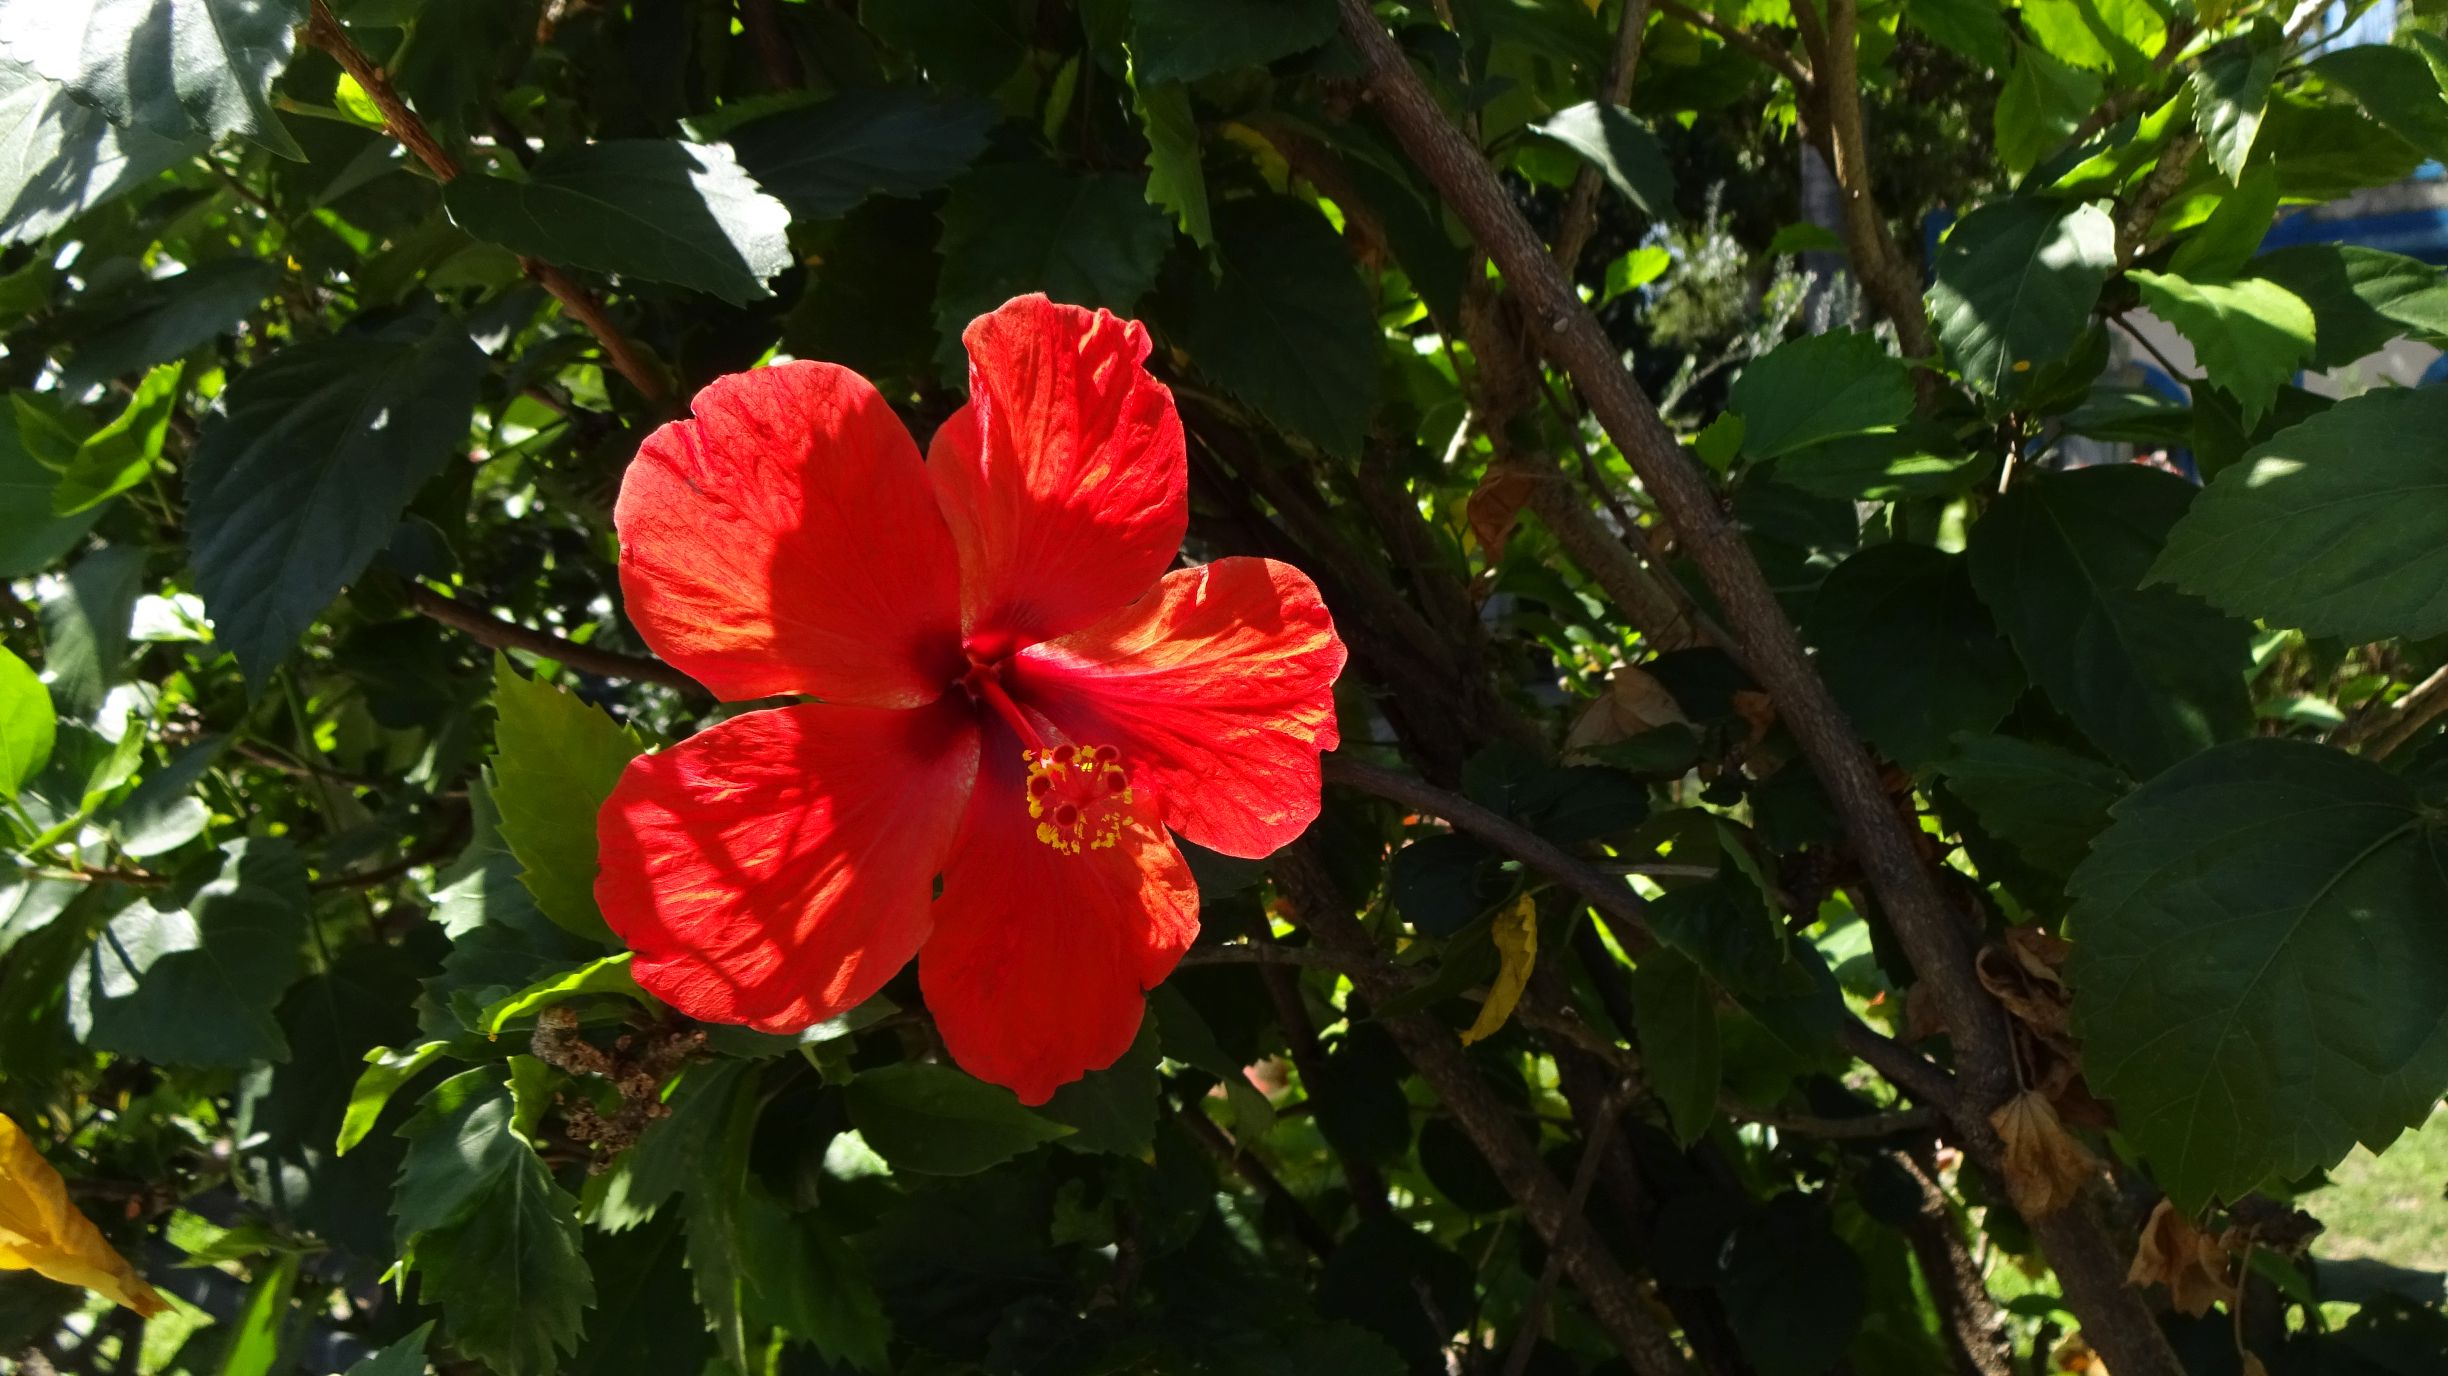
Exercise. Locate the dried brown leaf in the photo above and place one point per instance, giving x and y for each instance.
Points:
(1495, 505)
(2189, 1262)
(1633, 702)
(2046, 1167)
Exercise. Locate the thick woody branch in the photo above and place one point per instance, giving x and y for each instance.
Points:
(1935, 937)
(493, 633)
(324, 30)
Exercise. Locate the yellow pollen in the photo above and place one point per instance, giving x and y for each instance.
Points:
(1080, 796)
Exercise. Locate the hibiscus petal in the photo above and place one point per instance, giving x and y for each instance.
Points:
(786, 541)
(1064, 478)
(1218, 687)
(777, 869)
(1041, 959)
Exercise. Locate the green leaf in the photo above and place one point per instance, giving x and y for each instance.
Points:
(658, 209)
(1014, 228)
(2361, 298)
(2332, 526)
(934, 1120)
(823, 160)
(1183, 40)
(2251, 335)
(1640, 267)
(2016, 282)
(161, 319)
(2149, 673)
(1444, 882)
(2259, 968)
(254, 1334)
(2045, 802)
(2396, 87)
(198, 985)
(30, 535)
(609, 975)
(304, 469)
(60, 157)
(1620, 147)
(403, 1358)
(2231, 91)
(2119, 36)
(1820, 387)
(510, 1277)
(1794, 1293)
(1289, 329)
(85, 627)
(121, 454)
(28, 725)
(174, 67)
(1175, 179)
(2043, 102)
(805, 1279)
(645, 1319)
(386, 1072)
(1909, 651)
(555, 761)
(1972, 28)
(1113, 1110)
(1916, 461)
(1675, 1015)
(2220, 246)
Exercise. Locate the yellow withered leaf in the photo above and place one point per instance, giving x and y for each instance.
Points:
(41, 1231)
(1516, 935)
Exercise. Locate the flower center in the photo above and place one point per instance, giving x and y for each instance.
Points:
(1079, 794)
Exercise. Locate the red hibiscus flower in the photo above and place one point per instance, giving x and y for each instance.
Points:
(1012, 699)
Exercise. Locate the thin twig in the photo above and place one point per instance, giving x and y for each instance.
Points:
(1585, 1174)
(2423, 704)
(1867, 1127)
(1785, 63)
(494, 633)
(324, 30)
(1581, 203)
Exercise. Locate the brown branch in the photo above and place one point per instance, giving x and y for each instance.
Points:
(1615, 1300)
(773, 48)
(1655, 606)
(494, 633)
(1971, 1318)
(2422, 704)
(324, 30)
(1585, 1174)
(1868, 1127)
(2134, 226)
(1581, 203)
(1935, 937)
(1887, 280)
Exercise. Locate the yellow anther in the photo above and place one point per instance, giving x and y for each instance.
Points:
(1079, 795)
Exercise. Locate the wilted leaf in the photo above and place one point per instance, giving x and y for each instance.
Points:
(2046, 1167)
(2188, 1261)
(1516, 936)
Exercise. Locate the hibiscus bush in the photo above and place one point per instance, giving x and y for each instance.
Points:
(1250, 687)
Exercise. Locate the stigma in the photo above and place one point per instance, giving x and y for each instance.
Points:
(1080, 796)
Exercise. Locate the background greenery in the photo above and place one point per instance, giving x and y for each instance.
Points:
(1990, 990)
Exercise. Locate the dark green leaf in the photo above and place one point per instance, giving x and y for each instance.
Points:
(198, 985)
(459, 1144)
(1015, 228)
(1820, 387)
(165, 317)
(1909, 651)
(1183, 40)
(1793, 1291)
(2396, 87)
(555, 761)
(2333, 526)
(1289, 329)
(2043, 102)
(2016, 283)
(1441, 884)
(403, 1358)
(1622, 148)
(2361, 298)
(935, 1120)
(1907, 463)
(804, 1279)
(2151, 674)
(1113, 1110)
(85, 628)
(658, 209)
(2251, 335)
(31, 536)
(2221, 245)
(122, 453)
(173, 67)
(509, 1276)
(822, 160)
(2260, 974)
(305, 467)
(2045, 802)
(1974, 28)
(1675, 1016)
(645, 1319)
